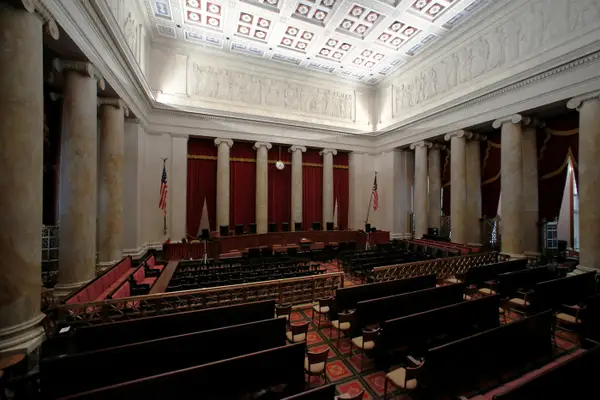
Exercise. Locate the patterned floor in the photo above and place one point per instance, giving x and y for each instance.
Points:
(344, 370)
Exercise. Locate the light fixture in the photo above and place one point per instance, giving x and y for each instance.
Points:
(279, 164)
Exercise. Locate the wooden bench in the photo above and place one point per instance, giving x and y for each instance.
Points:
(517, 286)
(326, 392)
(80, 372)
(225, 379)
(376, 311)
(347, 298)
(415, 334)
(484, 273)
(94, 337)
(570, 290)
(98, 288)
(467, 366)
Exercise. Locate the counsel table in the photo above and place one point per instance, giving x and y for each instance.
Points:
(177, 251)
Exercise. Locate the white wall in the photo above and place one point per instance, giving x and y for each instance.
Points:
(178, 183)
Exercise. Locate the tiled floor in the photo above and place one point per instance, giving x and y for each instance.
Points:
(344, 370)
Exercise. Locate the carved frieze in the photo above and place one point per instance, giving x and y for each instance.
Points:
(218, 83)
(532, 27)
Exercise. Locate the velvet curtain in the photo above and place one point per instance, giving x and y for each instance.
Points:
(445, 165)
(557, 144)
(201, 184)
(312, 188)
(242, 184)
(280, 188)
(52, 127)
(490, 174)
(341, 188)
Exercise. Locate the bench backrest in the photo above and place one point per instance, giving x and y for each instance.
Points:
(510, 282)
(347, 298)
(415, 332)
(568, 290)
(92, 290)
(93, 337)
(459, 365)
(224, 379)
(85, 371)
(320, 393)
(483, 273)
(384, 308)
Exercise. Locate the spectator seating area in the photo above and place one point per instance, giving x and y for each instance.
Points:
(440, 248)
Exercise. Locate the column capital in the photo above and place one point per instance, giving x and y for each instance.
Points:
(258, 145)
(36, 6)
(297, 148)
(514, 119)
(114, 102)
(478, 137)
(83, 67)
(576, 102)
(327, 151)
(534, 123)
(228, 142)
(422, 143)
(438, 146)
(459, 134)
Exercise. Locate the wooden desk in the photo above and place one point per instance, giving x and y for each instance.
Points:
(177, 251)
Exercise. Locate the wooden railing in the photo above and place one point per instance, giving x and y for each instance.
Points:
(442, 267)
(292, 290)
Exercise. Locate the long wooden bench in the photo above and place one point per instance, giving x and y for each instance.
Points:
(94, 337)
(326, 392)
(347, 298)
(103, 285)
(376, 311)
(80, 372)
(415, 334)
(481, 274)
(468, 366)
(511, 282)
(225, 379)
(569, 290)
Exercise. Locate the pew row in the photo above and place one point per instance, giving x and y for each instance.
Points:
(94, 337)
(280, 367)
(482, 274)
(103, 285)
(75, 373)
(570, 290)
(326, 392)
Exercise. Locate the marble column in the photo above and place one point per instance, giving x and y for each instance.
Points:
(435, 186)
(589, 180)
(473, 210)
(420, 197)
(111, 177)
(458, 186)
(511, 221)
(223, 147)
(404, 180)
(297, 184)
(327, 185)
(262, 186)
(21, 157)
(530, 214)
(78, 175)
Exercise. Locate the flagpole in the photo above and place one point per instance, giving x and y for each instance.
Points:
(370, 202)
(165, 210)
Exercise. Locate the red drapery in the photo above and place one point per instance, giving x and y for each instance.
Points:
(280, 188)
(312, 188)
(201, 183)
(557, 143)
(341, 188)
(52, 126)
(490, 174)
(242, 185)
(446, 181)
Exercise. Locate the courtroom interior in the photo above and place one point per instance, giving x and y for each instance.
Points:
(299, 199)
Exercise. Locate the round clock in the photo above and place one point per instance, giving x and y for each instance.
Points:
(279, 165)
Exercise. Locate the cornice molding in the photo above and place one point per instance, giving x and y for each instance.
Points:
(576, 102)
(422, 143)
(180, 136)
(301, 149)
(258, 145)
(219, 141)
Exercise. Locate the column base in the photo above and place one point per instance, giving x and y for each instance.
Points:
(25, 337)
(104, 265)
(63, 289)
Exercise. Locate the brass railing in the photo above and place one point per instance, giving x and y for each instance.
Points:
(292, 290)
(442, 267)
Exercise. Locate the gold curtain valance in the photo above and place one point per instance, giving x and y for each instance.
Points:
(564, 164)
(492, 179)
(253, 160)
(553, 132)
(490, 145)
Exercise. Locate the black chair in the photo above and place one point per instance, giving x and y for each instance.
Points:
(285, 226)
(367, 227)
(239, 229)
(330, 226)
(205, 234)
(297, 226)
(252, 228)
(272, 227)
(316, 226)
(223, 230)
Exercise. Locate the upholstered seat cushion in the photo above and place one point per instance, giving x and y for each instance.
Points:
(358, 342)
(314, 368)
(282, 316)
(567, 318)
(467, 297)
(519, 301)
(398, 378)
(501, 310)
(149, 281)
(344, 326)
(487, 291)
(321, 310)
(297, 338)
(453, 279)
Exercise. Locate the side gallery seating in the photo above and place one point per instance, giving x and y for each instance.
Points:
(74, 373)
(94, 337)
(447, 246)
(225, 379)
(104, 285)
(361, 263)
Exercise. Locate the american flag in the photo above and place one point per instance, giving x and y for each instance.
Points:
(375, 195)
(162, 204)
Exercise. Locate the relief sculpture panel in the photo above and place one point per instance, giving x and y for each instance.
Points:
(243, 87)
(530, 28)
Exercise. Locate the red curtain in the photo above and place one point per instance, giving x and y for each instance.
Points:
(242, 185)
(446, 181)
(341, 188)
(490, 174)
(52, 127)
(557, 143)
(280, 188)
(201, 183)
(312, 188)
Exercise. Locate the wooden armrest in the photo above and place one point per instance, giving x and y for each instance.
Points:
(576, 307)
(416, 363)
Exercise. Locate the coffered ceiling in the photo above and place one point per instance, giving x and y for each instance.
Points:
(356, 39)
